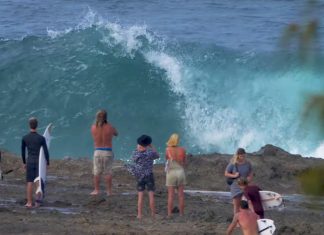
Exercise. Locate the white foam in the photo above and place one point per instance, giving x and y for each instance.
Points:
(129, 37)
(319, 151)
(172, 67)
(57, 33)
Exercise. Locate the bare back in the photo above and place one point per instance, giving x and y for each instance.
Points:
(177, 153)
(248, 222)
(102, 136)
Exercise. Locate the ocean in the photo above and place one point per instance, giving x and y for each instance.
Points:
(212, 71)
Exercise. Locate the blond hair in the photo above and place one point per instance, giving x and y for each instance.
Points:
(234, 158)
(238, 152)
(173, 140)
(101, 118)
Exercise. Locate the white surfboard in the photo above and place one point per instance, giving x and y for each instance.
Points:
(42, 165)
(266, 227)
(270, 200)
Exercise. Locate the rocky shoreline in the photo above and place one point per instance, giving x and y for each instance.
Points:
(69, 209)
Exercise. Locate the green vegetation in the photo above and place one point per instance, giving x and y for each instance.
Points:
(303, 38)
(312, 181)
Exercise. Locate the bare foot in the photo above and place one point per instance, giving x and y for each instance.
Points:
(29, 205)
(109, 194)
(139, 217)
(94, 193)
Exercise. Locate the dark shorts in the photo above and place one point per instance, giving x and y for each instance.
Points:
(147, 181)
(31, 172)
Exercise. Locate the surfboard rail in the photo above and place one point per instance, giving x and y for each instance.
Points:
(42, 165)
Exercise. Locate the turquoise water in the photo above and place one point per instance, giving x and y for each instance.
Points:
(209, 71)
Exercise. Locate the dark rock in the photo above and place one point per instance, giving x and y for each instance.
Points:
(175, 210)
(271, 150)
(62, 203)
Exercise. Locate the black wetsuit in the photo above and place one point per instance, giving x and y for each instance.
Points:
(33, 141)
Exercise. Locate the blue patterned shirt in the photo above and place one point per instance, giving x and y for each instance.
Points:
(144, 162)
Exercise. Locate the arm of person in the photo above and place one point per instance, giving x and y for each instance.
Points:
(232, 226)
(155, 154)
(23, 151)
(115, 131)
(93, 127)
(231, 175)
(250, 176)
(184, 158)
(251, 205)
(166, 154)
(135, 156)
(228, 171)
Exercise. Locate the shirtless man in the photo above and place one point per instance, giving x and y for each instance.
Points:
(102, 133)
(251, 193)
(246, 219)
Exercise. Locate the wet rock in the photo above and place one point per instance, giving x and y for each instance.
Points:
(4, 209)
(62, 204)
(96, 201)
(286, 230)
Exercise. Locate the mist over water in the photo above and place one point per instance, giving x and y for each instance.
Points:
(216, 98)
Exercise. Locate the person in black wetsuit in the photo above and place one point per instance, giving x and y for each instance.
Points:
(33, 142)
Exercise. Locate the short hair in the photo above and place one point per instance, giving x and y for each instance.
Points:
(101, 117)
(173, 140)
(242, 181)
(33, 123)
(244, 204)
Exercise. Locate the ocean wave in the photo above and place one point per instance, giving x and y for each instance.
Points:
(216, 98)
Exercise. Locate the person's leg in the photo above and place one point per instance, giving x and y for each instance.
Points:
(181, 199)
(96, 181)
(152, 203)
(236, 204)
(96, 175)
(29, 194)
(170, 200)
(140, 204)
(31, 174)
(150, 183)
(108, 179)
(107, 169)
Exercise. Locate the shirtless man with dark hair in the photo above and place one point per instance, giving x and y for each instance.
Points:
(247, 220)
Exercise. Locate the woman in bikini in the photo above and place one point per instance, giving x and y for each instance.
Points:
(175, 174)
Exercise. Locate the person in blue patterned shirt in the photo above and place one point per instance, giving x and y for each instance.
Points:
(144, 157)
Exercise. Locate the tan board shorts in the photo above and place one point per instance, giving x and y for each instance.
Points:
(102, 162)
(175, 175)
